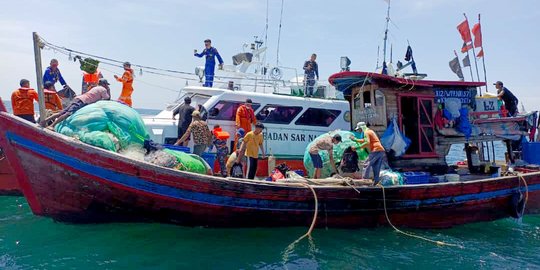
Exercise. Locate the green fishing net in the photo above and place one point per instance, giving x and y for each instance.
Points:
(89, 65)
(338, 150)
(104, 124)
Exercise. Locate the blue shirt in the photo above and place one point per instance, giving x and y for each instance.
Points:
(210, 54)
(53, 76)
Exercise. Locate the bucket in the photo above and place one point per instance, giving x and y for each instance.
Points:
(495, 171)
(530, 152)
(451, 177)
(210, 158)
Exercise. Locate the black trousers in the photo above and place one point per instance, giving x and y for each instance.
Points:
(251, 167)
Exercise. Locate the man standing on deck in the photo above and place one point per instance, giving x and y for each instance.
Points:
(377, 154)
(245, 117)
(127, 84)
(52, 74)
(311, 70)
(510, 101)
(210, 53)
(184, 120)
(253, 141)
(22, 101)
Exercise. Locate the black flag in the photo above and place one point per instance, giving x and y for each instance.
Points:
(456, 68)
(466, 61)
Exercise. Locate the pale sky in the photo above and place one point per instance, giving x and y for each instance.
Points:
(163, 33)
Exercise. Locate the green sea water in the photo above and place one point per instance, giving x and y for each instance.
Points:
(32, 242)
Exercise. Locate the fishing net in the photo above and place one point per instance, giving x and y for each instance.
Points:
(327, 169)
(89, 65)
(106, 124)
(189, 162)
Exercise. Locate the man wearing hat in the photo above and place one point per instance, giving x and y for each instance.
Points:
(127, 84)
(210, 53)
(97, 93)
(201, 134)
(184, 119)
(376, 151)
(510, 101)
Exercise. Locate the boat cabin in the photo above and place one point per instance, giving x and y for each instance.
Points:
(428, 113)
(291, 122)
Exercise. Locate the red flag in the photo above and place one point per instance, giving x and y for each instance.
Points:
(464, 31)
(466, 47)
(477, 32)
(480, 53)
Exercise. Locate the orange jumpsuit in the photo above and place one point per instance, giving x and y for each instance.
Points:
(22, 101)
(127, 86)
(245, 117)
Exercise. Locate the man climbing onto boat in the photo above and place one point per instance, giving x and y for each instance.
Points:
(52, 100)
(97, 93)
(253, 141)
(325, 143)
(510, 101)
(377, 154)
(184, 119)
(210, 53)
(311, 70)
(53, 74)
(22, 101)
(245, 117)
(127, 84)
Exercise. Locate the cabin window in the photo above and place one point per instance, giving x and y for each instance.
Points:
(226, 110)
(369, 106)
(318, 117)
(277, 114)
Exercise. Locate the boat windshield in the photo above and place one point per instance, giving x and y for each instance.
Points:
(196, 100)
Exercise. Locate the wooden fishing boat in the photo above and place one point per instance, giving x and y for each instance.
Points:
(8, 182)
(70, 181)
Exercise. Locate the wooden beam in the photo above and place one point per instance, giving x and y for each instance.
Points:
(462, 140)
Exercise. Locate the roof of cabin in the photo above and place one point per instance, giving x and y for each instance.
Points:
(344, 80)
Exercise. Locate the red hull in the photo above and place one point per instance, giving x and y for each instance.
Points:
(8, 181)
(67, 180)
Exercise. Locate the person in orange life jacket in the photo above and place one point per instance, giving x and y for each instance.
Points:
(90, 80)
(127, 84)
(22, 101)
(52, 74)
(97, 93)
(253, 141)
(377, 154)
(52, 100)
(245, 117)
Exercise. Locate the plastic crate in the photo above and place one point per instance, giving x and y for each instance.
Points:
(530, 152)
(210, 158)
(184, 149)
(413, 178)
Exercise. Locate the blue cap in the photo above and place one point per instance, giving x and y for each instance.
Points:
(241, 132)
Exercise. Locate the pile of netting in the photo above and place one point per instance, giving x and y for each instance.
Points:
(338, 150)
(119, 128)
(106, 124)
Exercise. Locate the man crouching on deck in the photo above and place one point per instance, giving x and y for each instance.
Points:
(97, 93)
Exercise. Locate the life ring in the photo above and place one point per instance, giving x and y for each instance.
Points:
(517, 204)
(275, 73)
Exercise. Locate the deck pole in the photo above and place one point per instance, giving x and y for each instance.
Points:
(39, 79)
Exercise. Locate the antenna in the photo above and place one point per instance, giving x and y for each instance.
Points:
(266, 30)
(279, 33)
(386, 31)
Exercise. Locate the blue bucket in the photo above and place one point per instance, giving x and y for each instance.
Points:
(530, 152)
(184, 149)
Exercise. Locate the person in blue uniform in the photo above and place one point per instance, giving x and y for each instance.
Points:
(210, 53)
(52, 74)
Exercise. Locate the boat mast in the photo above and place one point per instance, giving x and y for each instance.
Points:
(386, 34)
(39, 79)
